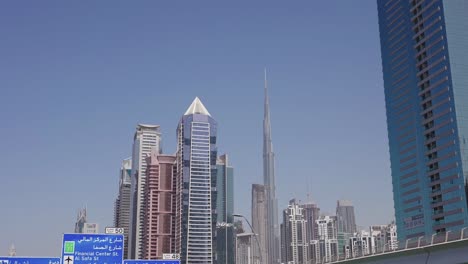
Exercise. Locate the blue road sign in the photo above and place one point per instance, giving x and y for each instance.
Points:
(29, 260)
(92, 249)
(159, 261)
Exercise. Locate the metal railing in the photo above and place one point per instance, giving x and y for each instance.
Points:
(409, 244)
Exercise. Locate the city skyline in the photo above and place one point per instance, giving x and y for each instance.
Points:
(107, 121)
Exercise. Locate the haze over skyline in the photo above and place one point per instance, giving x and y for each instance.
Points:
(76, 79)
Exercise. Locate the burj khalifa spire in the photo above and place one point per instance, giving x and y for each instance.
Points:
(272, 231)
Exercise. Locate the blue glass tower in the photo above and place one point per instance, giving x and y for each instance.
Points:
(225, 240)
(425, 70)
(196, 215)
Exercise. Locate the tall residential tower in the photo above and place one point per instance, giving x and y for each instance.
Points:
(272, 228)
(294, 235)
(158, 223)
(425, 71)
(147, 137)
(122, 203)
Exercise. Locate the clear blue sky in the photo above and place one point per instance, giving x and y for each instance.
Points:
(76, 78)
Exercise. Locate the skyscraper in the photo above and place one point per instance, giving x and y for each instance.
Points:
(122, 203)
(158, 223)
(273, 232)
(146, 138)
(425, 66)
(325, 249)
(294, 236)
(346, 223)
(81, 219)
(225, 241)
(311, 214)
(196, 187)
(346, 220)
(259, 219)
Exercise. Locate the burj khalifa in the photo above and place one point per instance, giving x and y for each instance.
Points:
(272, 231)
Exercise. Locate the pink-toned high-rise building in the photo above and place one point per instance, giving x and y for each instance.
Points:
(158, 222)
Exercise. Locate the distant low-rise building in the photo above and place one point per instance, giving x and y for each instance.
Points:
(360, 244)
(385, 237)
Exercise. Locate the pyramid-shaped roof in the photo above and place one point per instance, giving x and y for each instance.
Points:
(197, 108)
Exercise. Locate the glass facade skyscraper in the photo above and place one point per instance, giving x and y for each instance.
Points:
(425, 70)
(345, 223)
(225, 239)
(346, 220)
(196, 186)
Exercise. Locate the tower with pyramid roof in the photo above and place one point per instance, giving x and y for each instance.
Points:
(195, 226)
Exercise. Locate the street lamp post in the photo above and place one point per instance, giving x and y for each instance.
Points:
(255, 235)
